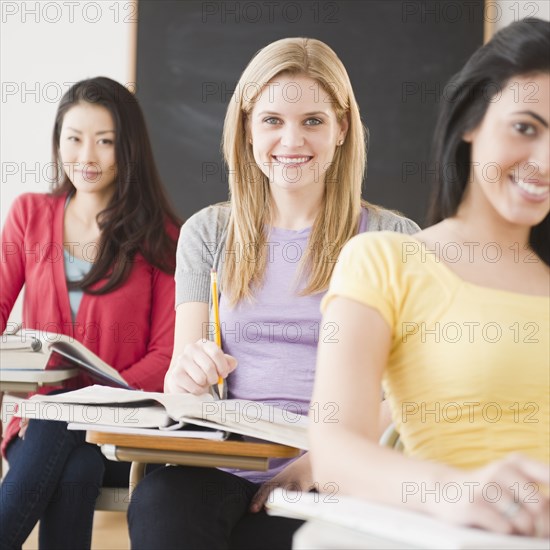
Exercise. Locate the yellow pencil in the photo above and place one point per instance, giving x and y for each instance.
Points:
(217, 331)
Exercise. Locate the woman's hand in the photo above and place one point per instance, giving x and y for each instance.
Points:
(296, 476)
(508, 496)
(198, 368)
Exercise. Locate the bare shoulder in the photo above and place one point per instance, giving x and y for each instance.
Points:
(438, 233)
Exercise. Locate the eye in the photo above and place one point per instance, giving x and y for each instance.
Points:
(72, 138)
(525, 128)
(313, 122)
(272, 120)
(105, 141)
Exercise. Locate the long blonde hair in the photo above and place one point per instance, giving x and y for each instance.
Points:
(251, 205)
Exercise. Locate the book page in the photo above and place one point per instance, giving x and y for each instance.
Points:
(105, 405)
(143, 414)
(106, 395)
(39, 350)
(242, 417)
(14, 342)
(254, 419)
(88, 361)
(185, 433)
(71, 348)
(391, 523)
(22, 359)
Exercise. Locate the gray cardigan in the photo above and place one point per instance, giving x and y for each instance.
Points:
(201, 246)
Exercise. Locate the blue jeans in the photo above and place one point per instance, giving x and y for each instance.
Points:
(55, 477)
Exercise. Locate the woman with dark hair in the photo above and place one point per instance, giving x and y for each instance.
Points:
(454, 321)
(97, 259)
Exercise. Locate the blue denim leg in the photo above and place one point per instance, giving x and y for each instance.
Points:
(68, 519)
(37, 465)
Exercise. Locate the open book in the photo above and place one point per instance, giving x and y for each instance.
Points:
(412, 529)
(98, 406)
(174, 431)
(38, 350)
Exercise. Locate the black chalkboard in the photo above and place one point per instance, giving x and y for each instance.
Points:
(399, 55)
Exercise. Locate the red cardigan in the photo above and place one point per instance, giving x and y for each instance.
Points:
(130, 328)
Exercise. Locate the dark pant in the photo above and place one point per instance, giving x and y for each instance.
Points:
(54, 476)
(202, 508)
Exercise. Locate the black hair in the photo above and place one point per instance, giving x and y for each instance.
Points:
(522, 48)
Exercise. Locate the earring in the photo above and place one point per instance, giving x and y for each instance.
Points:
(341, 142)
(250, 141)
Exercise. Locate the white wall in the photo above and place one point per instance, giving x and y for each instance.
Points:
(46, 46)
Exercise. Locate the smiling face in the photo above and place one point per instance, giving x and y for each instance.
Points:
(511, 153)
(87, 148)
(295, 133)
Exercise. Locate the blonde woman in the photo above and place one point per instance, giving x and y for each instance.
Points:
(295, 148)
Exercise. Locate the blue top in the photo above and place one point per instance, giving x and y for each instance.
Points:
(75, 270)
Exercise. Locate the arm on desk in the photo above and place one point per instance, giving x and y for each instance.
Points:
(347, 452)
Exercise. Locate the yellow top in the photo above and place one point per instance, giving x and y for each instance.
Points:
(468, 374)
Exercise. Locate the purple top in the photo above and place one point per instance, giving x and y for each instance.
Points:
(275, 337)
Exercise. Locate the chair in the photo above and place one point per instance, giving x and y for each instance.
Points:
(390, 438)
(112, 499)
(117, 499)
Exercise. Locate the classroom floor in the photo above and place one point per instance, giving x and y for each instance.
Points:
(110, 533)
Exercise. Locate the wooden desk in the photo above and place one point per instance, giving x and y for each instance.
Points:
(25, 381)
(142, 450)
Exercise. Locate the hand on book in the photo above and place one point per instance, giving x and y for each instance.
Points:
(297, 476)
(509, 496)
(198, 368)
